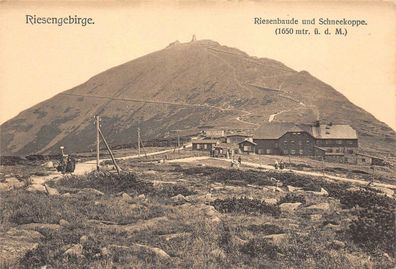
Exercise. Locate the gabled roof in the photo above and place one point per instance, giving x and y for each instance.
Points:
(204, 141)
(241, 135)
(247, 141)
(334, 132)
(275, 130)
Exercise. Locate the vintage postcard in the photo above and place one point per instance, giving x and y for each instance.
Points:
(197, 134)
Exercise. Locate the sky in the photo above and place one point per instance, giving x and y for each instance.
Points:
(39, 61)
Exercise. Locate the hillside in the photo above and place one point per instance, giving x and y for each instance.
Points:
(182, 87)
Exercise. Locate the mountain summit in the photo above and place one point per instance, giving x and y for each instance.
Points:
(182, 87)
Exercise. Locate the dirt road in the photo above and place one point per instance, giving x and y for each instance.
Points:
(317, 174)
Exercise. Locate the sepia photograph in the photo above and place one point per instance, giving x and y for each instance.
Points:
(197, 134)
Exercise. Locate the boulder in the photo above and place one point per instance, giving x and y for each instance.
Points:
(322, 192)
(277, 239)
(75, 250)
(90, 191)
(83, 239)
(64, 223)
(49, 164)
(293, 189)
(126, 196)
(336, 244)
(315, 217)
(105, 252)
(51, 191)
(178, 198)
(320, 206)
(218, 253)
(4, 187)
(153, 250)
(274, 189)
(141, 197)
(36, 188)
(13, 182)
(289, 207)
(270, 201)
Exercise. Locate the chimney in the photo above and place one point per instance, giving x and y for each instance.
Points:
(193, 38)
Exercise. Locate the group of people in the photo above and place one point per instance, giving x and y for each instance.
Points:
(237, 162)
(279, 165)
(67, 164)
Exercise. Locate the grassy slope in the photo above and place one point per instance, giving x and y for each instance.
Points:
(214, 226)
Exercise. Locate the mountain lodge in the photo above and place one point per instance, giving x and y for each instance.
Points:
(329, 141)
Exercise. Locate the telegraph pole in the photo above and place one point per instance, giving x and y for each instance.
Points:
(97, 142)
(178, 139)
(138, 143)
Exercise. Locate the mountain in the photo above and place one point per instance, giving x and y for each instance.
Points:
(182, 87)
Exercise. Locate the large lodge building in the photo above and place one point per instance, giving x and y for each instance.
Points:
(331, 141)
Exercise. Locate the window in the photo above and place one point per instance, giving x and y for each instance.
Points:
(198, 146)
(308, 141)
(349, 142)
(205, 146)
(285, 141)
(339, 142)
(363, 160)
(327, 142)
(301, 152)
(285, 151)
(260, 151)
(292, 152)
(268, 151)
(246, 148)
(292, 141)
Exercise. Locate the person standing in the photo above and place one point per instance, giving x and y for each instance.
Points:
(281, 165)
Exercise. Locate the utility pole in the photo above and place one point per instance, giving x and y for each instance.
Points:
(178, 139)
(138, 143)
(111, 153)
(97, 142)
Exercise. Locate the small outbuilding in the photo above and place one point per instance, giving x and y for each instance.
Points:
(204, 144)
(247, 146)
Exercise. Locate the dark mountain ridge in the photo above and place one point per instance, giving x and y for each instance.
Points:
(182, 87)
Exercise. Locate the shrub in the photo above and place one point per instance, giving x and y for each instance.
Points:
(292, 198)
(374, 229)
(245, 206)
(365, 199)
(108, 183)
(173, 190)
(260, 248)
(265, 229)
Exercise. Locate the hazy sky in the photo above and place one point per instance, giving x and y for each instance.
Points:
(39, 61)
